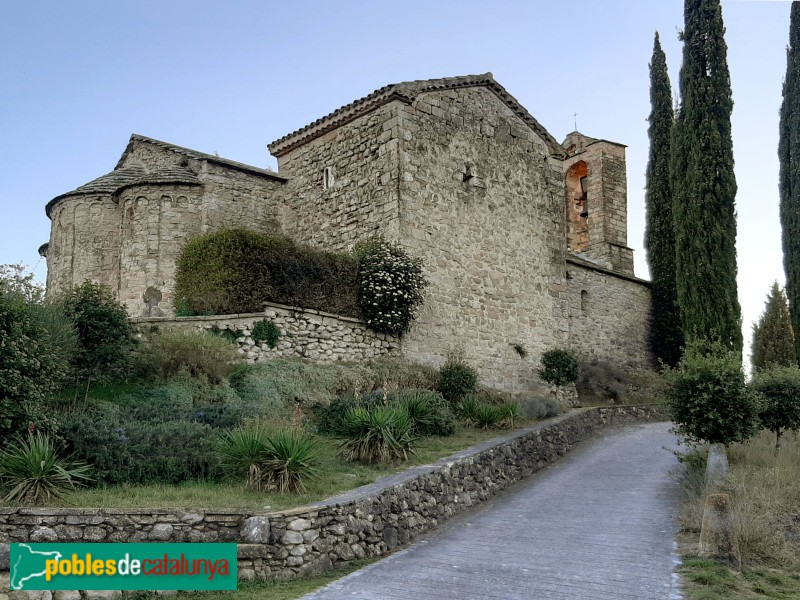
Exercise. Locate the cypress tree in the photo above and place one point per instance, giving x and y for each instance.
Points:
(703, 183)
(773, 340)
(789, 156)
(666, 337)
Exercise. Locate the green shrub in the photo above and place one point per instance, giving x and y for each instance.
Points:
(377, 434)
(33, 472)
(559, 367)
(708, 397)
(390, 286)
(197, 353)
(266, 331)
(128, 451)
(236, 271)
(780, 407)
(105, 337)
(456, 378)
(37, 346)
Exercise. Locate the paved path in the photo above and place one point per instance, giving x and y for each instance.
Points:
(597, 525)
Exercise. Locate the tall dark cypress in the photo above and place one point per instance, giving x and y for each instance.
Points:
(703, 183)
(666, 337)
(789, 155)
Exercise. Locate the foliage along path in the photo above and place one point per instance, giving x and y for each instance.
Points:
(600, 524)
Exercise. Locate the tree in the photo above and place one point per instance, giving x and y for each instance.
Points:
(780, 408)
(773, 337)
(708, 397)
(703, 183)
(789, 179)
(105, 337)
(666, 337)
(36, 345)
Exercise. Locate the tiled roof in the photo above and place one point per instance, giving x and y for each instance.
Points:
(124, 177)
(407, 92)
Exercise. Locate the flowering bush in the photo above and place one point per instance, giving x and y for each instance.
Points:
(390, 286)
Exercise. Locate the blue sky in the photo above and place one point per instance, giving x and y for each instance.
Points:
(79, 77)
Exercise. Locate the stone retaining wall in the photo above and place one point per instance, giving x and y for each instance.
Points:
(370, 521)
(305, 333)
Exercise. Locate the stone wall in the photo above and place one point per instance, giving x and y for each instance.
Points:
(305, 333)
(358, 196)
(84, 242)
(609, 316)
(370, 521)
(482, 202)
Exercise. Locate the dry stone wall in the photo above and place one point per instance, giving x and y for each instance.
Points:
(311, 334)
(482, 202)
(367, 522)
(609, 316)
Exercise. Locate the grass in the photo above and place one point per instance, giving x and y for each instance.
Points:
(765, 494)
(335, 477)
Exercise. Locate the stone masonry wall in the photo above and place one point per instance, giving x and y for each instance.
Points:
(370, 521)
(482, 202)
(84, 242)
(609, 316)
(310, 334)
(361, 198)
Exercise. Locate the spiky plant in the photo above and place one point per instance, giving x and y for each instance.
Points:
(34, 473)
(243, 451)
(378, 434)
(291, 460)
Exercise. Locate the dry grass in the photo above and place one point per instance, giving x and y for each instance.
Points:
(765, 494)
(766, 498)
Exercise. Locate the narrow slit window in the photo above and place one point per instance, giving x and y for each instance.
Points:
(327, 178)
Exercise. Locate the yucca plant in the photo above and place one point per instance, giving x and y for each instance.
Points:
(510, 412)
(488, 416)
(243, 451)
(32, 470)
(430, 413)
(291, 460)
(381, 433)
(467, 410)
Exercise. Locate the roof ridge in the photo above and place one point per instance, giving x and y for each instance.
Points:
(408, 91)
(196, 154)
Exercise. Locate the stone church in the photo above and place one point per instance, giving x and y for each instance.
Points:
(524, 239)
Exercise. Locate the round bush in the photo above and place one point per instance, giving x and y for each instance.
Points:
(708, 397)
(780, 408)
(390, 286)
(456, 379)
(559, 367)
(266, 331)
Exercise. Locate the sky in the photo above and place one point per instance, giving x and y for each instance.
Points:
(79, 77)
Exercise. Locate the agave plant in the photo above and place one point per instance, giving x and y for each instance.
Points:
(32, 470)
(290, 461)
(430, 413)
(380, 433)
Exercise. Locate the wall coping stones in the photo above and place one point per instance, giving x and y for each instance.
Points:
(267, 306)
